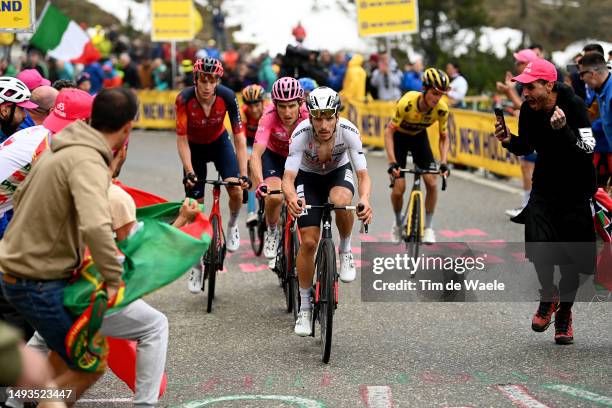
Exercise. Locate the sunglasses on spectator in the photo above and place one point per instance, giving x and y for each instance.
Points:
(323, 113)
(583, 73)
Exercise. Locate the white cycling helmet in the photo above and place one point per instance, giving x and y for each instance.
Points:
(12, 90)
(323, 101)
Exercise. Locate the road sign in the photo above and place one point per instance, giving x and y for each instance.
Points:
(17, 16)
(172, 20)
(383, 17)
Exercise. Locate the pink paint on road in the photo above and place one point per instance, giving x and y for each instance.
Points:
(470, 232)
(250, 268)
(376, 396)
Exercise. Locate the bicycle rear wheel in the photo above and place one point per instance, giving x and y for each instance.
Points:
(210, 272)
(327, 301)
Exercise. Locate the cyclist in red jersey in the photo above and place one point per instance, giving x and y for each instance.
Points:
(252, 110)
(270, 151)
(202, 138)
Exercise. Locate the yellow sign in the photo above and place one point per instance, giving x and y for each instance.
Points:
(172, 20)
(17, 16)
(381, 17)
(472, 142)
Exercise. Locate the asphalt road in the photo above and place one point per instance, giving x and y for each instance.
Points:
(245, 354)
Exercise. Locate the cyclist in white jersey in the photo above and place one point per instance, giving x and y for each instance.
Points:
(318, 170)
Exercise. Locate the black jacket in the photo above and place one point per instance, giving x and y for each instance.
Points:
(564, 168)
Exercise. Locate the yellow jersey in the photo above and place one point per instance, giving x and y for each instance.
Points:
(409, 120)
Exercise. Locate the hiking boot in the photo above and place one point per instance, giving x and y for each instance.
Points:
(543, 316)
(564, 332)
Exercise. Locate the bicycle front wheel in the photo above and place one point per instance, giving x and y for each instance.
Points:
(210, 271)
(256, 234)
(415, 226)
(327, 299)
(294, 246)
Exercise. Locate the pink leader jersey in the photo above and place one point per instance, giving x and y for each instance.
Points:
(272, 133)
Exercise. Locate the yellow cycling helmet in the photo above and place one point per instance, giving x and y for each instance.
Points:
(435, 78)
(252, 94)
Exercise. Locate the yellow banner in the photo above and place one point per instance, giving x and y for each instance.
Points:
(472, 142)
(172, 20)
(16, 16)
(156, 110)
(381, 17)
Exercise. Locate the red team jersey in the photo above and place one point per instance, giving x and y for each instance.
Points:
(199, 128)
(250, 124)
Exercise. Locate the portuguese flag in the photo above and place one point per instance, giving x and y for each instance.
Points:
(62, 38)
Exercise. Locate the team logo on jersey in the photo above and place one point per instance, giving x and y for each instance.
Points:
(586, 141)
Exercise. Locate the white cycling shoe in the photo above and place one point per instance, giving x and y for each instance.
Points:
(429, 236)
(303, 324)
(233, 243)
(347, 267)
(194, 284)
(270, 243)
(396, 233)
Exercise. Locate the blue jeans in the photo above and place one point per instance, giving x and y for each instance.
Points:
(41, 303)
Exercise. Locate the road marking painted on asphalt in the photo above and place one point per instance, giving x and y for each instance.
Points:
(580, 393)
(103, 400)
(376, 396)
(475, 232)
(520, 396)
(299, 402)
(249, 267)
(485, 182)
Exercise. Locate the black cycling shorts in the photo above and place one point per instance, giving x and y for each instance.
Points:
(418, 146)
(273, 164)
(315, 189)
(221, 152)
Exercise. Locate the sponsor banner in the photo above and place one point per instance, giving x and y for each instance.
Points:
(172, 20)
(472, 141)
(382, 17)
(479, 271)
(17, 16)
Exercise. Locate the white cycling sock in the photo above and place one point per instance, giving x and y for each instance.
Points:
(398, 218)
(345, 245)
(428, 219)
(272, 228)
(305, 299)
(233, 219)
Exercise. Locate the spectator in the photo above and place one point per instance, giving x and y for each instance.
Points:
(595, 73)
(160, 75)
(218, 24)
(145, 73)
(387, 79)
(337, 71)
(32, 79)
(130, 73)
(577, 83)
(458, 85)
(609, 55)
(354, 86)
(187, 73)
(96, 77)
(112, 79)
(35, 60)
(37, 268)
(411, 78)
(212, 50)
(64, 70)
(7, 69)
(554, 122)
(266, 75)
(299, 33)
(44, 96)
(83, 82)
(231, 58)
(371, 66)
(64, 83)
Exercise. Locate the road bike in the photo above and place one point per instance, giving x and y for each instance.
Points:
(413, 219)
(257, 229)
(325, 299)
(215, 256)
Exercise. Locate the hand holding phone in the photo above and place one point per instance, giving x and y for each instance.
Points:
(501, 130)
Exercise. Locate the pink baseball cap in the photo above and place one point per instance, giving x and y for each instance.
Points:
(525, 55)
(71, 104)
(537, 69)
(32, 79)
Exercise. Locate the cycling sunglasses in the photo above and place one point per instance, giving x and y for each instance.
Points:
(323, 113)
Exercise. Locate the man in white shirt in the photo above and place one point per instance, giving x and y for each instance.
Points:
(458, 85)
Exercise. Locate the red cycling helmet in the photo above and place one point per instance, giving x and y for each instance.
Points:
(208, 65)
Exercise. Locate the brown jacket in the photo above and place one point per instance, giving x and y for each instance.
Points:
(61, 208)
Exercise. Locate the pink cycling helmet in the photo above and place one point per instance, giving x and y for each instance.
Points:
(287, 89)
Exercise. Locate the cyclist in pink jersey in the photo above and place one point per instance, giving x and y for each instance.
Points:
(271, 148)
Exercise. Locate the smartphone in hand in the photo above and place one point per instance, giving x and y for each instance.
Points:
(500, 117)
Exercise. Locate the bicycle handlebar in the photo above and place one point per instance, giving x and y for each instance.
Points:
(419, 172)
(333, 207)
(219, 183)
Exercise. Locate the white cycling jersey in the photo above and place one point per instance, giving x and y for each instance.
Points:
(303, 149)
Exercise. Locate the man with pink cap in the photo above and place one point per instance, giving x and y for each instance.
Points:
(33, 80)
(559, 227)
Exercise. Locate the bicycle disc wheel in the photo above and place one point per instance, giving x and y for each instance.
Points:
(211, 266)
(327, 298)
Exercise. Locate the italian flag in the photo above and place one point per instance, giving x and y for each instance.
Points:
(62, 38)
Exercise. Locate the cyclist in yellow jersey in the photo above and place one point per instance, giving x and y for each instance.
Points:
(407, 132)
